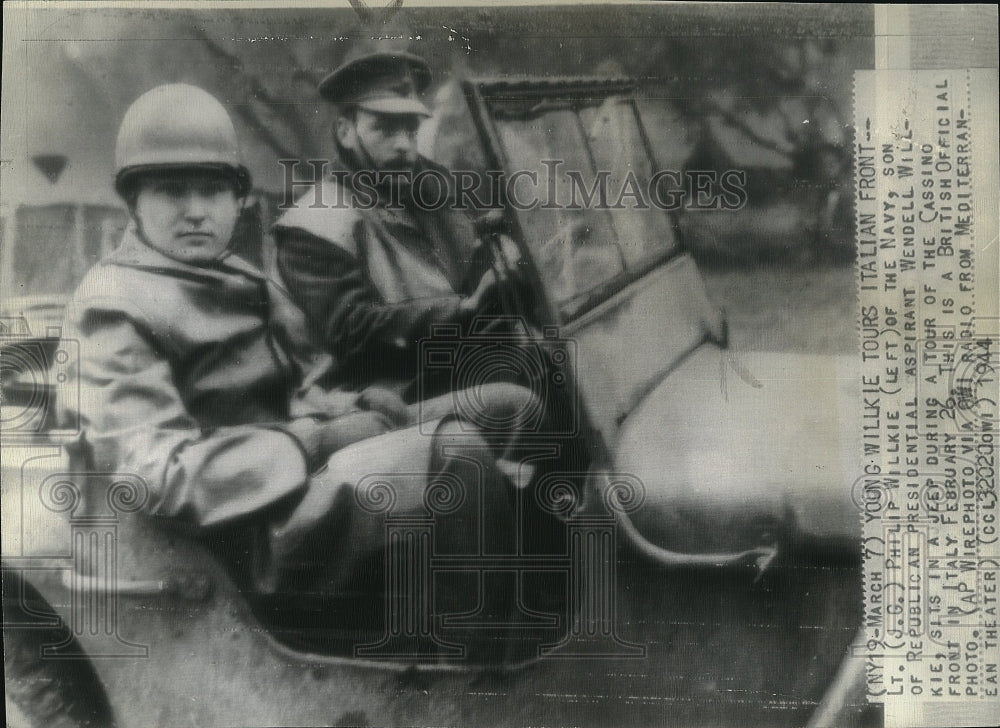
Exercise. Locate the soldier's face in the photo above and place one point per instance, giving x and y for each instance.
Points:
(189, 215)
(388, 140)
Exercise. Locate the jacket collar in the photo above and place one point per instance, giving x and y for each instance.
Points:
(134, 252)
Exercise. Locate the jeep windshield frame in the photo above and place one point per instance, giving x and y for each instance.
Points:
(552, 130)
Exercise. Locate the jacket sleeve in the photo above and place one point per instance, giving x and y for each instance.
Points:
(345, 310)
(135, 421)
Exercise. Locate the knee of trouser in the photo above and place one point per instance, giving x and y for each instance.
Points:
(516, 396)
(461, 433)
(508, 405)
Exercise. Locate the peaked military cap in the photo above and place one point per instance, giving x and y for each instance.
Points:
(383, 82)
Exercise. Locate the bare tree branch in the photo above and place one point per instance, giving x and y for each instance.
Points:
(735, 121)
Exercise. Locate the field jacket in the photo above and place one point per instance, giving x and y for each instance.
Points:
(186, 376)
(373, 280)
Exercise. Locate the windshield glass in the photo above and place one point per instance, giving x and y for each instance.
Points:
(585, 162)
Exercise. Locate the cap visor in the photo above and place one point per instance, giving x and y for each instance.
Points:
(395, 106)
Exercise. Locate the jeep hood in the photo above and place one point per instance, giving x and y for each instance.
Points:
(727, 460)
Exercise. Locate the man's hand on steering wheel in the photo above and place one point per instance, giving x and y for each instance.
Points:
(486, 296)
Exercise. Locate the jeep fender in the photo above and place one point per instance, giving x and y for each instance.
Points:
(736, 454)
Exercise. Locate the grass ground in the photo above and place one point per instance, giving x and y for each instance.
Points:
(787, 308)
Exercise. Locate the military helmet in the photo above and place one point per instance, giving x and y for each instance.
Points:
(382, 82)
(177, 126)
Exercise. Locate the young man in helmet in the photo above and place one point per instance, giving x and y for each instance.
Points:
(196, 375)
